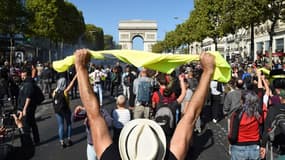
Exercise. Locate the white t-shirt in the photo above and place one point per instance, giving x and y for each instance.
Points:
(121, 117)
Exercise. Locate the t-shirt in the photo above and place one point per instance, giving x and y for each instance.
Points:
(112, 152)
(120, 117)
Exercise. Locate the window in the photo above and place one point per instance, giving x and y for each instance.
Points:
(266, 45)
(279, 45)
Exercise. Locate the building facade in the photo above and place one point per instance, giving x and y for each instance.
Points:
(237, 46)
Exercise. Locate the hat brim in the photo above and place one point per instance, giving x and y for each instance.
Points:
(142, 135)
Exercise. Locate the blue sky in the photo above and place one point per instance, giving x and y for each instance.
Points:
(107, 13)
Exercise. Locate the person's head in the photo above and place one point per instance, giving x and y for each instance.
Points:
(127, 68)
(121, 100)
(239, 83)
(143, 72)
(162, 80)
(61, 84)
(26, 72)
(142, 139)
(250, 102)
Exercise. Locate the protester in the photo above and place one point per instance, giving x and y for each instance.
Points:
(79, 111)
(27, 103)
(121, 116)
(274, 132)
(142, 89)
(27, 148)
(248, 137)
(141, 129)
(64, 113)
(97, 86)
(216, 93)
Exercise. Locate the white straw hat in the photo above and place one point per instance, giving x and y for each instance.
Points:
(142, 139)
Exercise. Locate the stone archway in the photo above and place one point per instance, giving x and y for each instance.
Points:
(129, 29)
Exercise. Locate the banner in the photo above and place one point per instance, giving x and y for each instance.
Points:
(165, 63)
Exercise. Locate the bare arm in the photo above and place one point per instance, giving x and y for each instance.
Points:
(266, 86)
(180, 141)
(27, 103)
(99, 130)
(70, 85)
(183, 89)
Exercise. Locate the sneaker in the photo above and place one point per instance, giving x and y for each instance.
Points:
(62, 144)
(214, 121)
(69, 143)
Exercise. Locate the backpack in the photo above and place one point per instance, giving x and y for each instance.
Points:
(277, 126)
(234, 125)
(127, 80)
(165, 115)
(97, 77)
(144, 90)
(59, 102)
(39, 96)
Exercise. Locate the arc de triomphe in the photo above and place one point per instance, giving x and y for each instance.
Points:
(130, 29)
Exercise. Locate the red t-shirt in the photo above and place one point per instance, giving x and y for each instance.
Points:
(249, 129)
(155, 96)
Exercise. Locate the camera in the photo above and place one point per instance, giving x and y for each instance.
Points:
(7, 120)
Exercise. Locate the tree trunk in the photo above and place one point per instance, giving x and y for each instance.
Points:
(11, 49)
(251, 42)
(216, 44)
(271, 34)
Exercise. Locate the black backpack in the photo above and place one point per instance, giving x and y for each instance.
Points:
(39, 96)
(165, 115)
(59, 102)
(234, 125)
(128, 79)
(277, 125)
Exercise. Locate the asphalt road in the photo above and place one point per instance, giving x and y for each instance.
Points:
(210, 144)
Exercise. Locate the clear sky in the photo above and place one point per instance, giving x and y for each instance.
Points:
(107, 13)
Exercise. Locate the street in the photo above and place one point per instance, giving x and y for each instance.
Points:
(211, 143)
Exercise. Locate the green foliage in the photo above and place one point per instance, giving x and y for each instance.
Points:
(70, 26)
(43, 17)
(55, 19)
(108, 42)
(158, 47)
(93, 37)
(12, 17)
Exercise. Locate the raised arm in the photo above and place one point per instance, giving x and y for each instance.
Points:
(99, 130)
(180, 141)
(183, 88)
(70, 85)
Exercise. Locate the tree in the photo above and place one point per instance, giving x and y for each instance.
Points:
(12, 19)
(274, 11)
(67, 24)
(206, 20)
(171, 42)
(158, 47)
(248, 14)
(108, 42)
(44, 18)
(93, 37)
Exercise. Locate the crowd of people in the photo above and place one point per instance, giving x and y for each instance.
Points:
(152, 106)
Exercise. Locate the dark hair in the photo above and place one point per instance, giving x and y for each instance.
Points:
(27, 70)
(167, 92)
(250, 103)
(161, 79)
(239, 83)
